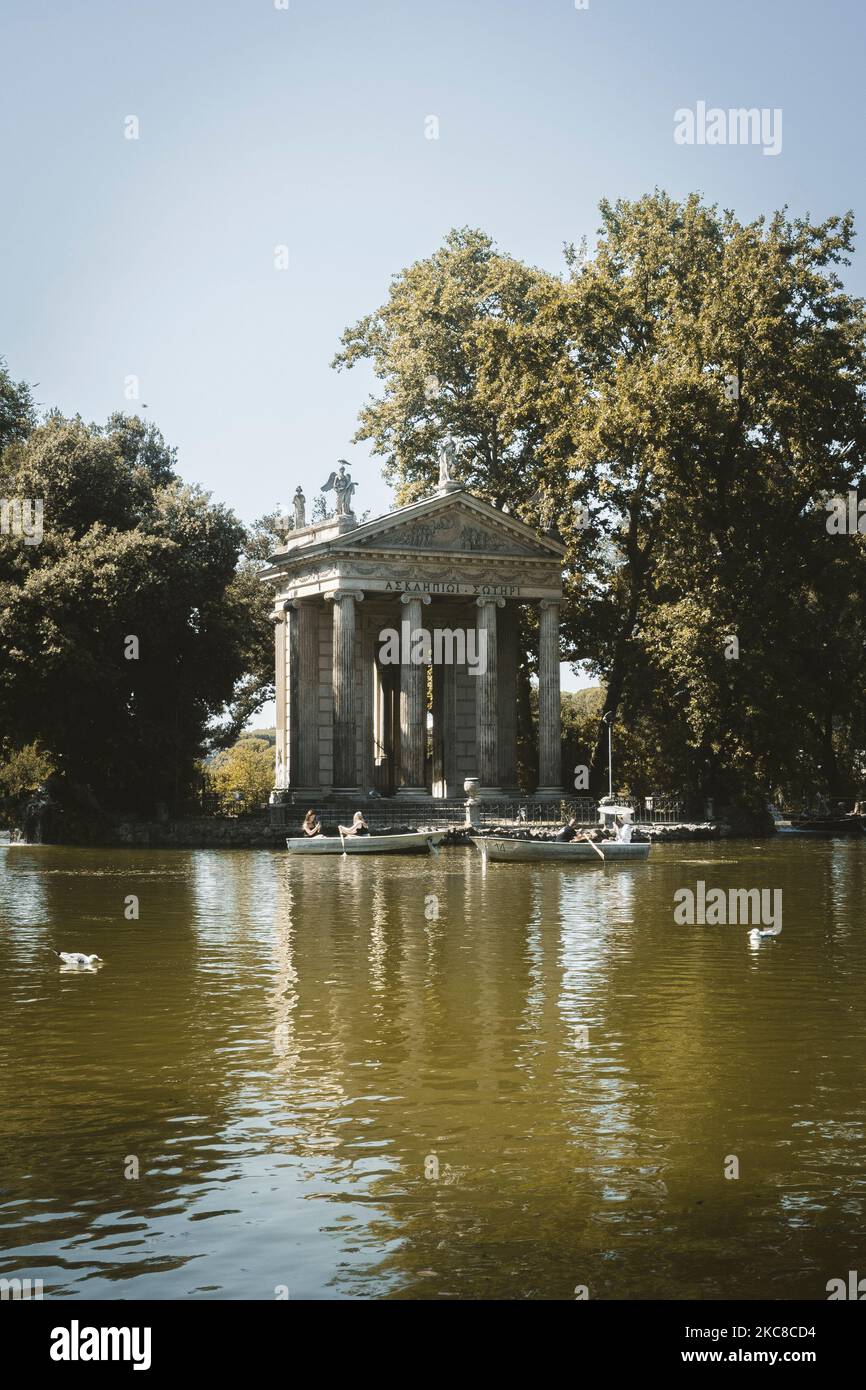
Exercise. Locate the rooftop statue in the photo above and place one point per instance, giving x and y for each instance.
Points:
(299, 502)
(343, 487)
(447, 464)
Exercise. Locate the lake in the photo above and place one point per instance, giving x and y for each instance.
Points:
(405, 1078)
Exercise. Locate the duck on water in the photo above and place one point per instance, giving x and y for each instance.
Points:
(76, 957)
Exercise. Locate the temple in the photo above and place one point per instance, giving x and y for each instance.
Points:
(444, 576)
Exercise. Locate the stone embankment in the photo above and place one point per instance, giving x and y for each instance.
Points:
(256, 832)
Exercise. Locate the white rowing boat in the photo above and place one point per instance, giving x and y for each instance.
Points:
(560, 851)
(413, 842)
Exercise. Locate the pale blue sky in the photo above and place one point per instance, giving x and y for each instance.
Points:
(261, 126)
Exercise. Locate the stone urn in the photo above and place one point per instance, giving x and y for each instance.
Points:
(473, 805)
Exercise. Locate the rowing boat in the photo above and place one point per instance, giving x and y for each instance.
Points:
(560, 851)
(828, 827)
(412, 842)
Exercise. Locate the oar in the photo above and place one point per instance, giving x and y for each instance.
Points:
(596, 848)
(342, 838)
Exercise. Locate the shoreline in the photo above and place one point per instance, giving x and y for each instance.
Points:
(236, 834)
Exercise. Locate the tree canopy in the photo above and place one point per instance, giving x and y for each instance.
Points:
(242, 776)
(677, 404)
(135, 626)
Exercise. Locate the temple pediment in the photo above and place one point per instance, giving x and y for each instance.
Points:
(456, 524)
(452, 544)
(451, 533)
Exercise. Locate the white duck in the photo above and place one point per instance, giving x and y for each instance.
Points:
(759, 933)
(76, 958)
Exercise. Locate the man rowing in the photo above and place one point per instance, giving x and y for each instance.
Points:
(570, 832)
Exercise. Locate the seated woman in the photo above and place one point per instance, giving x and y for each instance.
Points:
(311, 826)
(358, 827)
(623, 830)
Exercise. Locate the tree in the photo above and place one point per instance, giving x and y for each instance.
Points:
(465, 345)
(130, 628)
(247, 768)
(22, 772)
(674, 403)
(723, 394)
(266, 535)
(17, 410)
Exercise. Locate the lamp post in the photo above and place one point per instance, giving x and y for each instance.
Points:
(608, 720)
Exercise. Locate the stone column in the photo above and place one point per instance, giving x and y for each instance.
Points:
(345, 725)
(549, 711)
(506, 659)
(487, 700)
(293, 722)
(368, 671)
(304, 697)
(281, 770)
(445, 729)
(413, 704)
(389, 725)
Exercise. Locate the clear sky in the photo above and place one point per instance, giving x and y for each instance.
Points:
(305, 127)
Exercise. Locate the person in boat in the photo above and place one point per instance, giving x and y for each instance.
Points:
(570, 832)
(623, 830)
(311, 825)
(358, 827)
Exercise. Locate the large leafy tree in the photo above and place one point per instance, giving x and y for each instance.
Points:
(464, 345)
(675, 403)
(723, 396)
(133, 625)
(474, 344)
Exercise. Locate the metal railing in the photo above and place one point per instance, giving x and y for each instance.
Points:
(661, 810)
(393, 812)
(526, 811)
(211, 804)
(379, 813)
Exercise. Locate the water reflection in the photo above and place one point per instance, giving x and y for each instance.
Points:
(409, 1078)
